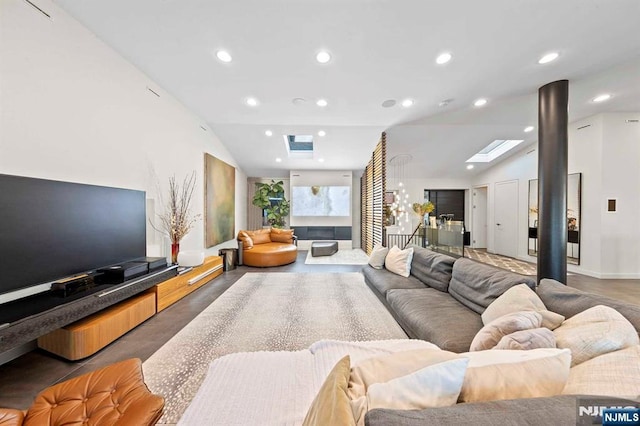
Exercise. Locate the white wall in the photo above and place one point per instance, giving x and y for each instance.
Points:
(72, 109)
(620, 242)
(321, 178)
(606, 150)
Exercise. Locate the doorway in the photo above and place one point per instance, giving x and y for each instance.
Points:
(506, 218)
(479, 219)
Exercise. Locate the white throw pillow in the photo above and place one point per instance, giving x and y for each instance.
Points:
(384, 368)
(614, 374)
(595, 331)
(378, 254)
(437, 385)
(521, 298)
(503, 374)
(399, 261)
(492, 333)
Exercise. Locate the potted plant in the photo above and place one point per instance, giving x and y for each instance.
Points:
(423, 209)
(270, 198)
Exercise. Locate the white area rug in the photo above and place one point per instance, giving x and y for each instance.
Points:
(342, 257)
(266, 311)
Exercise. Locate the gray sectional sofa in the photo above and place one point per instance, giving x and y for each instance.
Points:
(441, 302)
(443, 297)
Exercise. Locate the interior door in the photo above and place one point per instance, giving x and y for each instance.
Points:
(506, 218)
(479, 230)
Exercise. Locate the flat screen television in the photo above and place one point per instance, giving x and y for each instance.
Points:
(50, 229)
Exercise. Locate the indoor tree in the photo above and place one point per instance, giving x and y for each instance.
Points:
(270, 198)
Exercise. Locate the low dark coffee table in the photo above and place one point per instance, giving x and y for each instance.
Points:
(323, 248)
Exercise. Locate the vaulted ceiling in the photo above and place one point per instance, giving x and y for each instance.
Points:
(381, 50)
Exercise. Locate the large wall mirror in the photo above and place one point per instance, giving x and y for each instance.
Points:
(574, 193)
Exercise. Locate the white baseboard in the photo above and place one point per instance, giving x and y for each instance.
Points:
(619, 276)
(577, 269)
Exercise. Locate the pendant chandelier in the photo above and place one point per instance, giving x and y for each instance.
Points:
(400, 206)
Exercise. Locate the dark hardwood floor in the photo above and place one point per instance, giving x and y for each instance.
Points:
(22, 378)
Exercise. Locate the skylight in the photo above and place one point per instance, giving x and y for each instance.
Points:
(299, 146)
(494, 150)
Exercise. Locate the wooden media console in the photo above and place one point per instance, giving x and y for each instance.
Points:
(87, 336)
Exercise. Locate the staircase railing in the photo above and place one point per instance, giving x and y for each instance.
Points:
(404, 240)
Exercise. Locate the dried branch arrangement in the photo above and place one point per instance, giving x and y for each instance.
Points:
(177, 220)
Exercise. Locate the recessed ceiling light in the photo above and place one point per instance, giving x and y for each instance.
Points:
(321, 160)
(469, 166)
(268, 133)
(548, 58)
(252, 102)
(298, 101)
(407, 103)
(278, 160)
(528, 129)
(322, 133)
(388, 103)
(224, 56)
(443, 58)
(445, 102)
(480, 102)
(323, 57)
(322, 103)
(602, 98)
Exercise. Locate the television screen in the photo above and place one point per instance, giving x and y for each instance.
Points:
(51, 230)
(321, 201)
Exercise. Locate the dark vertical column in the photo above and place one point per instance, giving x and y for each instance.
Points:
(552, 180)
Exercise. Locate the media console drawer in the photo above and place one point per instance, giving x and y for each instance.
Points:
(174, 289)
(87, 336)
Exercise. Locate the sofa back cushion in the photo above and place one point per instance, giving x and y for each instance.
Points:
(260, 236)
(433, 269)
(567, 301)
(278, 235)
(476, 285)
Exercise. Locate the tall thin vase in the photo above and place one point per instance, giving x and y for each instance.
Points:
(175, 248)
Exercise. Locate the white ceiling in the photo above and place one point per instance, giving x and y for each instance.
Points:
(381, 49)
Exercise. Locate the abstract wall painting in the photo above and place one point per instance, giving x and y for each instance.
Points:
(220, 201)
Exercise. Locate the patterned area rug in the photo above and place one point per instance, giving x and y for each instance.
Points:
(266, 311)
(508, 263)
(342, 257)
